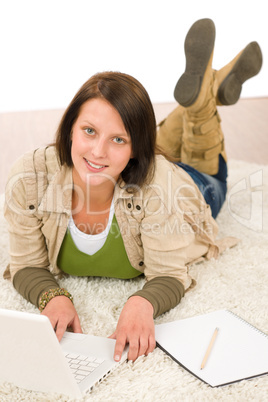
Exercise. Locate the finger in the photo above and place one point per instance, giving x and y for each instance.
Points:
(151, 345)
(119, 347)
(143, 346)
(76, 326)
(113, 336)
(133, 352)
(61, 328)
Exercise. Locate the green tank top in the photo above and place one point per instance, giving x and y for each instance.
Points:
(110, 261)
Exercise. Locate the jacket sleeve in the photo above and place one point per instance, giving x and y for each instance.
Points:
(31, 283)
(163, 293)
(27, 243)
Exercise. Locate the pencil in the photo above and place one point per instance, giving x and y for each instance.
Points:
(215, 333)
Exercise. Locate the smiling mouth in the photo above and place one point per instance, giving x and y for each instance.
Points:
(94, 165)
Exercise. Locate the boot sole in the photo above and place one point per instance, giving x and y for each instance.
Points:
(247, 66)
(199, 45)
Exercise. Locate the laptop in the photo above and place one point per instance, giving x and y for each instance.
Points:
(32, 357)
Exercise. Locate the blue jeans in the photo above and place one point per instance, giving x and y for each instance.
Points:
(213, 188)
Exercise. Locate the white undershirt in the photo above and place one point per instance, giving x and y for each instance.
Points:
(90, 244)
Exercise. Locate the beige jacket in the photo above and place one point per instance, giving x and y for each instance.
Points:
(165, 225)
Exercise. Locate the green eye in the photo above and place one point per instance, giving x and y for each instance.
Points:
(118, 140)
(89, 131)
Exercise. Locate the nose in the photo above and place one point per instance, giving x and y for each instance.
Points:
(99, 148)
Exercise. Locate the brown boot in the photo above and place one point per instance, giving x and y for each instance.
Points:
(202, 139)
(169, 135)
(230, 78)
(199, 44)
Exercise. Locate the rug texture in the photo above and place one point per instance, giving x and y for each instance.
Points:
(237, 281)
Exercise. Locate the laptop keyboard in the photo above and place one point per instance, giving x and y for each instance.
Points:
(81, 366)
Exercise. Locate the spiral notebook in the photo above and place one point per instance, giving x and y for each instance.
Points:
(239, 351)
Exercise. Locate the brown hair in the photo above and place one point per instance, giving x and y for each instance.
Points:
(132, 102)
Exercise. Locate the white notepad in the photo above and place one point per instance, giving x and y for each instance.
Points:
(240, 351)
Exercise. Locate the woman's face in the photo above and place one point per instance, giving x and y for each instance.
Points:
(101, 147)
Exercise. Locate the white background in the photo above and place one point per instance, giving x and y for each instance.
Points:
(49, 48)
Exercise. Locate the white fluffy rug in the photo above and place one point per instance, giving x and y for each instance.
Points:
(238, 281)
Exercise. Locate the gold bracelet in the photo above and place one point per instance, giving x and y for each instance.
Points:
(47, 296)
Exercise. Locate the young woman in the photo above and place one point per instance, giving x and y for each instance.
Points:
(103, 201)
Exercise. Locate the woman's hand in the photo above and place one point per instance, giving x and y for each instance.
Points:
(136, 327)
(62, 314)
